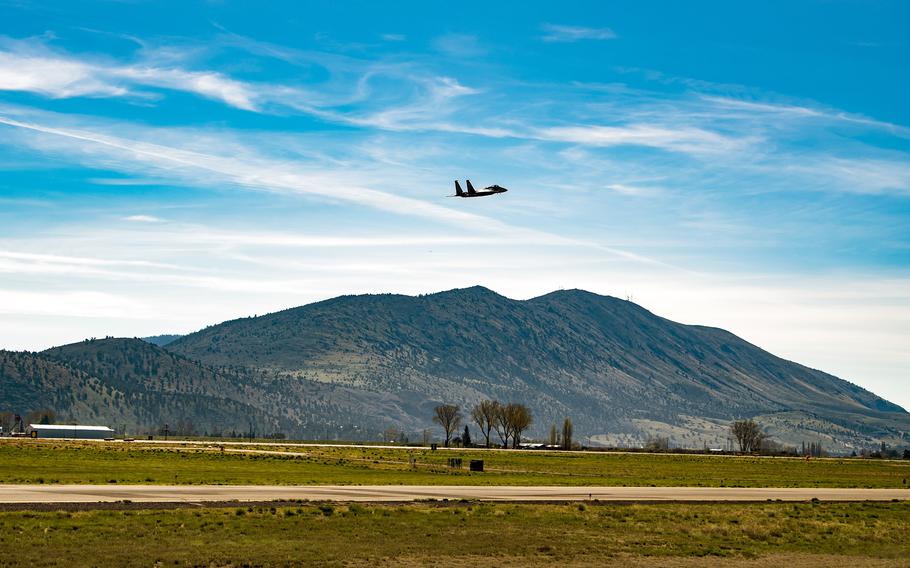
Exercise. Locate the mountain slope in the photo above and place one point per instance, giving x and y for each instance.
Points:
(619, 371)
(30, 382)
(126, 382)
(133, 384)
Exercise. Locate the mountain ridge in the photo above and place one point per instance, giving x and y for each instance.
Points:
(363, 363)
(464, 343)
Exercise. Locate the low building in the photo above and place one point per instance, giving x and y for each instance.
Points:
(76, 431)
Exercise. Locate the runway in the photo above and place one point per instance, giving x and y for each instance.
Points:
(398, 493)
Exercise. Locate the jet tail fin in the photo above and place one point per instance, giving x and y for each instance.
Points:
(458, 190)
(470, 187)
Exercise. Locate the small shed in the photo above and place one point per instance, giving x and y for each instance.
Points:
(77, 431)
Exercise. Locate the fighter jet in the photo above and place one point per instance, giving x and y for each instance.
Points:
(489, 190)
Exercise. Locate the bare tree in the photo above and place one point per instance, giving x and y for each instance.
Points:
(43, 416)
(503, 424)
(484, 415)
(519, 420)
(7, 420)
(567, 431)
(449, 417)
(186, 427)
(553, 434)
(390, 434)
(511, 420)
(657, 444)
(748, 435)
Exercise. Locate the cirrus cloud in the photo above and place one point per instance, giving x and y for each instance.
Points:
(560, 33)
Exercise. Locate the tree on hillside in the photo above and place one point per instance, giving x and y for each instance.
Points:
(748, 435)
(449, 417)
(484, 415)
(520, 419)
(567, 431)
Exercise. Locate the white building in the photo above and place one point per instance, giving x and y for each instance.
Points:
(69, 431)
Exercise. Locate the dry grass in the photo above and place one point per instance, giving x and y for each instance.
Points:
(457, 534)
(86, 462)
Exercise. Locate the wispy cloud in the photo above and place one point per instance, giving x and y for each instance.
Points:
(246, 167)
(410, 97)
(255, 172)
(685, 139)
(142, 219)
(784, 111)
(393, 37)
(31, 66)
(53, 77)
(123, 181)
(73, 303)
(420, 100)
(61, 260)
(222, 283)
(861, 176)
(634, 190)
(459, 45)
(560, 33)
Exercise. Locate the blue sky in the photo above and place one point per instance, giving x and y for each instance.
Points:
(164, 166)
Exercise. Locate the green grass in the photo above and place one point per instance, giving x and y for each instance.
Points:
(27, 461)
(462, 534)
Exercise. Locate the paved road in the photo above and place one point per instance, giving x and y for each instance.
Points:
(376, 493)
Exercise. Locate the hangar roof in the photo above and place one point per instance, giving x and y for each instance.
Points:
(68, 427)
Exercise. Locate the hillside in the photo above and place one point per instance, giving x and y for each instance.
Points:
(133, 384)
(126, 383)
(30, 382)
(619, 371)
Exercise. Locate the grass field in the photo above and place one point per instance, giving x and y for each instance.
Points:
(456, 534)
(29, 461)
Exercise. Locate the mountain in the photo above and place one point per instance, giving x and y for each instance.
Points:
(622, 373)
(353, 366)
(160, 340)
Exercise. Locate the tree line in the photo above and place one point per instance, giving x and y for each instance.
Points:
(508, 420)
